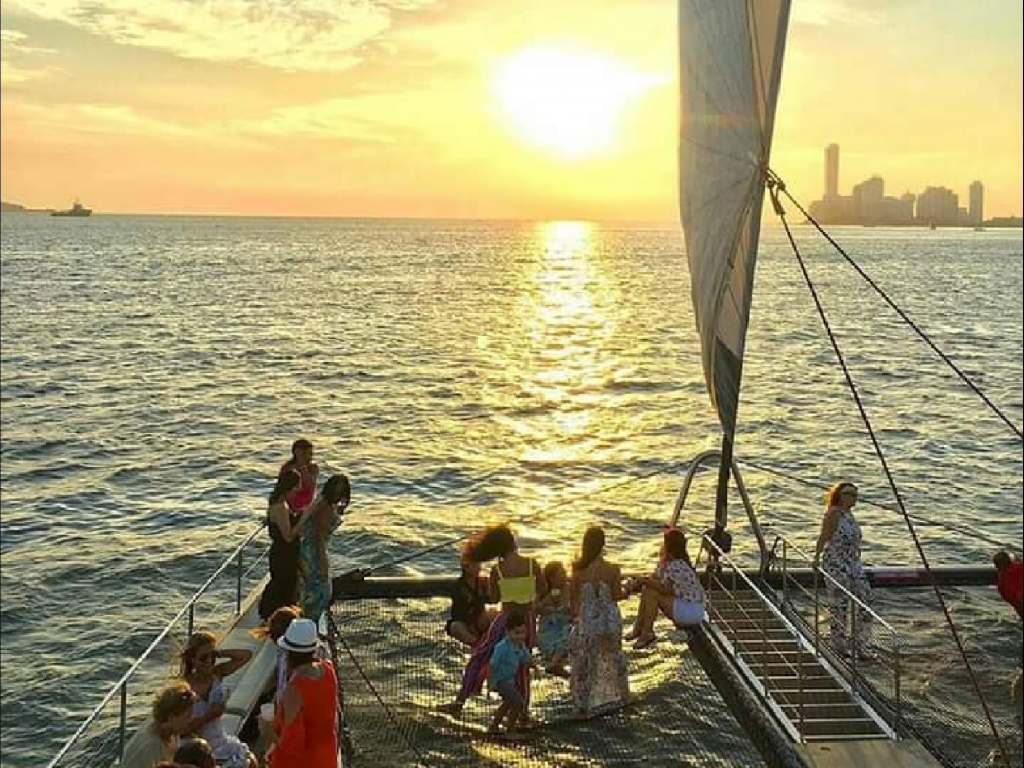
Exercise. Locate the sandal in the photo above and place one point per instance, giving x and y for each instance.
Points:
(645, 642)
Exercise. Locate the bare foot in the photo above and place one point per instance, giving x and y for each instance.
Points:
(632, 635)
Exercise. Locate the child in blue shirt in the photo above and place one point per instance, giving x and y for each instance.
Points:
(507, 657)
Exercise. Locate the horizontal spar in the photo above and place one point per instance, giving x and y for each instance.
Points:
(387, 587)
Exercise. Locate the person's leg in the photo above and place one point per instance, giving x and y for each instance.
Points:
(476, 669)
(499, 715)
(557, 664)
(512, 700)
(463, 633)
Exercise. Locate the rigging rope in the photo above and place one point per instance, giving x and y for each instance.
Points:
(775, 186)
(456, 539)
(903, 315)
(921, 518)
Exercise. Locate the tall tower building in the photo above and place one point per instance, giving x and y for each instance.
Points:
(976, 212)
(831, 171)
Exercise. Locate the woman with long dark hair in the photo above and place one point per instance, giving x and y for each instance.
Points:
(516, 582)
(674, 588)
(284, 525)
(598, 676)
(320, 520)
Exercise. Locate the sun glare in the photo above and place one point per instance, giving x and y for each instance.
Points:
(569, 102)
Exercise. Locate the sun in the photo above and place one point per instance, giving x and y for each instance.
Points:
(568, 102)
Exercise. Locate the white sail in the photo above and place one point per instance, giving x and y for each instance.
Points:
(730, 64)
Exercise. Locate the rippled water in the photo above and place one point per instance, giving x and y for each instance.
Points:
(156, 369)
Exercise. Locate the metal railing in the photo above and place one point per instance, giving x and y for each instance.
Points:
(802, 644)
(120, 688)
(837, 591)
(768, 645)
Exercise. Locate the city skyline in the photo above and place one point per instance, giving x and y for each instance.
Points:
(425, 109)
(868, 203)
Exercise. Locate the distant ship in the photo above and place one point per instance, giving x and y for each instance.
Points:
(75, 210)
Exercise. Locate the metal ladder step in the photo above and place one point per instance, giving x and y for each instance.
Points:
(851, 726)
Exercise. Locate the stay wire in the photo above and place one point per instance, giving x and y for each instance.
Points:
(776, 185)
(1016, 547)
(903, 315)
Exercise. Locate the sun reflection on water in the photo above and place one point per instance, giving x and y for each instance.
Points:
(567, 308)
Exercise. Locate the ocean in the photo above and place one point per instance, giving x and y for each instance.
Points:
(156, 369)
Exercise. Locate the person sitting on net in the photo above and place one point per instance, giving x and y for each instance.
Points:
(509, 655)
(554, 620)
(674, 588)
(469, 618)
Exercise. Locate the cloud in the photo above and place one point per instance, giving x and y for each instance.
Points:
(822, 13)
(13, 41)
(299, 35)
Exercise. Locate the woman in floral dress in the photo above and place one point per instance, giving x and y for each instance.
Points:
(838, 552)
(598, 678)
(319, 522)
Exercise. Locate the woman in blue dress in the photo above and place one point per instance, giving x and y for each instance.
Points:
(314, 564)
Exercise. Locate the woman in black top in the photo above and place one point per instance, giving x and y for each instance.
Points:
(284, 526)
(469, 618)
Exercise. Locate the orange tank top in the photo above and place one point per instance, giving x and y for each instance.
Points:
(311, 739)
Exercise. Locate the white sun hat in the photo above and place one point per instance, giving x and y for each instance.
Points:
(300, 637)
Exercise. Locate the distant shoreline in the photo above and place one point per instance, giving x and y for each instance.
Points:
(999, 222)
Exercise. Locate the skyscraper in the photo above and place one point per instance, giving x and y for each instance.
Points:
(976, 212)
(831, 170)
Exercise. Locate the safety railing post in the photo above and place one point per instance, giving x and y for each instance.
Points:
(785, 572)
(191, 617)
(896, 685)
(238, 582)
(851, 641)
(123, 720)
(764, 650)
(800, 687)
(817, 612)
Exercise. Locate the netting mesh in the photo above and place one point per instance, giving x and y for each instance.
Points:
(939, 705)
(396, 665)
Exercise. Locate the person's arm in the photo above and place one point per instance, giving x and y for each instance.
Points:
(494, 586)
(617, 592)
(540, 583)
(574, 595)
(829, 524)
(213, 711)
(292, 732)
(236, 659)
(322, 532)
(279, 515)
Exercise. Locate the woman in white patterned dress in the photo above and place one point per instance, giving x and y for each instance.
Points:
(838, 552)
(674, 588)
(598, 678)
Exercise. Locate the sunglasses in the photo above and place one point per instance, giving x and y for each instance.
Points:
(851, 492)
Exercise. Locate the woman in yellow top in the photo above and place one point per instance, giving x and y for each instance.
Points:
(516, 582)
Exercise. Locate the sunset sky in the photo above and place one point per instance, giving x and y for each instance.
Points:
(460, 108)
